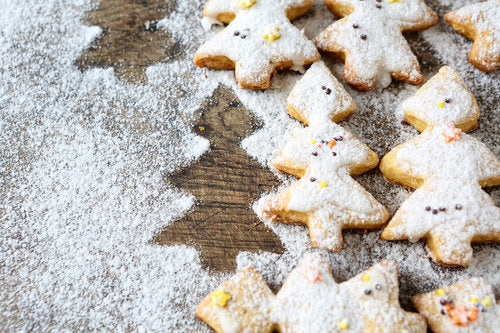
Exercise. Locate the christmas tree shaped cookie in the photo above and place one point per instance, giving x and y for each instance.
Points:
(370, 42)
(447, 167)
(467, 306)
(325, 156)
(481, 23)
(311, 301)
(258, 40)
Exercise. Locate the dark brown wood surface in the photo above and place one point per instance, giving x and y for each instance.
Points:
(225, 182)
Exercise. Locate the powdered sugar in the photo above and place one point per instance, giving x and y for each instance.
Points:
(368, 32)
(75, 252)
(258, 40)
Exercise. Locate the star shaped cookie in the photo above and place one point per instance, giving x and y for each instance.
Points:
(258, 41)
(481, 23)
(369, 39)
(467, 306)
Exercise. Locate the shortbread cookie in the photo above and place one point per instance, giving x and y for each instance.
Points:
(258, 40)
(325, 156)
(370, 42)
(467, 306)
(311, 301)
(481, 23)
(448, 167)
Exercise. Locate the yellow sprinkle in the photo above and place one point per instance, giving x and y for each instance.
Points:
(343, 324)
(202, 128)
(474, 300)
(219, 298)
(246, 3)
(440, 291)
(323, 184)
(271, 32)
(441, 104)
(391, 1)
(486, 302)
(313, 141)
(366, 277)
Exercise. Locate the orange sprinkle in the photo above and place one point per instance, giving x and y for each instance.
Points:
(312, 275)
(461, 315)
(331, 144)
(319, 146)
(473, 314)
(451, 133)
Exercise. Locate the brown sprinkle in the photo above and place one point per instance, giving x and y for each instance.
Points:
(363, 37)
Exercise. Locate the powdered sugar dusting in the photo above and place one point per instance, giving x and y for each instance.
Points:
(82, 163)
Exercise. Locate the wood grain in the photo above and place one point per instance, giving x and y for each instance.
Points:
(131, 40)
(225, 182)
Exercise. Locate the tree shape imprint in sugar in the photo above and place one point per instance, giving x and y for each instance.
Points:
(225, 182)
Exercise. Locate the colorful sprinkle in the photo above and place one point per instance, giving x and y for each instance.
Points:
(461, 315)
(474, 300)
(440, 291)
(486, 302)
(271, 32)
(313, 141)
(219, 298)
(331, 143)
(312, 275)
(366, 277)
(441, 105)
(343, 324)
(323, 184)
(452, 133)
(246, 3)
(391, 1)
